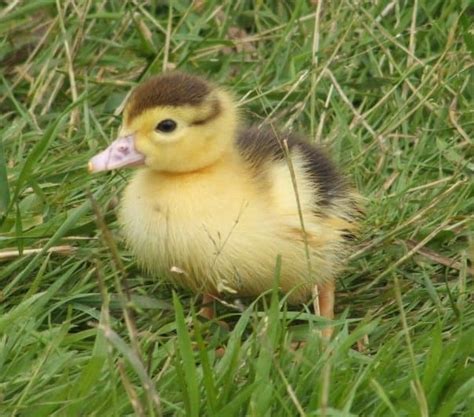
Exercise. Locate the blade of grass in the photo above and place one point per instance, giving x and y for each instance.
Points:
(187, 356)
(4, 187)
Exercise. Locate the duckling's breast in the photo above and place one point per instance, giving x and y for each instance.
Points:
(221, 230)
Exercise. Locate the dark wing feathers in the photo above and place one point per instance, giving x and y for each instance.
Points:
(260, 145)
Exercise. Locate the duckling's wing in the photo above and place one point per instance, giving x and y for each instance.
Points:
(260, 146)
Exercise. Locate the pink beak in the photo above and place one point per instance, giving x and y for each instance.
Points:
(120, 153)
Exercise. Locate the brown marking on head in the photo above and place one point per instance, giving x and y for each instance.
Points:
(169, 89)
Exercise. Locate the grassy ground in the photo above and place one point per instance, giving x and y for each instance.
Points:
(386, 85)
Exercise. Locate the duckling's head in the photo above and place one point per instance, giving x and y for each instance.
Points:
(173, 122)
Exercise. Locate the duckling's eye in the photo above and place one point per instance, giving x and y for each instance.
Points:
(166, 126)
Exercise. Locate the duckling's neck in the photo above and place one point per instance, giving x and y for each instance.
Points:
(224, 173)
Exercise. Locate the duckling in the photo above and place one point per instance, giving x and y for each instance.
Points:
(214, 203)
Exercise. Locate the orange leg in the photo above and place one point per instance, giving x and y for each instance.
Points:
(324, 304)
(363, 343)
(207, 310)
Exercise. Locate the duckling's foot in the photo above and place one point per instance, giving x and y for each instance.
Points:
(208, 311)
(324, 305)
(207, 307)
(363, 343)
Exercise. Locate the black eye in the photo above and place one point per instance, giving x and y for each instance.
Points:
(166, 126)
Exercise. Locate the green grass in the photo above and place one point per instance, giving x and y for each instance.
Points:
(385, 85)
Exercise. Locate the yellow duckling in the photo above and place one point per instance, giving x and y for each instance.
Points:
(214, 203)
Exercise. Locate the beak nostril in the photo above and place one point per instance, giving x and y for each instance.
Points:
(120, 153)
(123, 149)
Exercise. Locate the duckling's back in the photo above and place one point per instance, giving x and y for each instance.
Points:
(262, 147)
